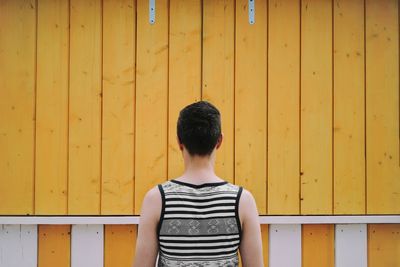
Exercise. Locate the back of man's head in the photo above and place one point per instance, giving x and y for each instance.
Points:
(199, 127)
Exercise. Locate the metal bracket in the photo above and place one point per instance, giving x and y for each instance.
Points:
(252, 11)
(152, 11)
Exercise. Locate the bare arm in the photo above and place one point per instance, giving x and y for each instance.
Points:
(146, 242)
(251, 244)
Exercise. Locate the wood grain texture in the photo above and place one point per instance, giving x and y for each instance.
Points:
(218, 75)
(119, 245)
(74, 143)
(349, 108)
(251, 102)
(184, 85)
(54, 243)
(118, 108)
(318, 245)
(152, 100)
(17, 106)
(85, 107)
(383, 245)
(283, 107)
(51, 164)
(265, 241)
(382, 102)
(316, 107)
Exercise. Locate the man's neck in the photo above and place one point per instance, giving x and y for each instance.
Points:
(199, 174)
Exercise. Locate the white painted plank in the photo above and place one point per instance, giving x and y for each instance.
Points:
(272, 219)
(329, 219)
(351, 245)
(285, 245)
(18, 245)
(87, 243)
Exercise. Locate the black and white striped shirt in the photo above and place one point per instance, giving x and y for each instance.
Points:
(199, 224)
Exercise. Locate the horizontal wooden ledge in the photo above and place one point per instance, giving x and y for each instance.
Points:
(271, 219)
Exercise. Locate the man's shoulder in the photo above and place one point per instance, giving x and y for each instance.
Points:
(152, 198)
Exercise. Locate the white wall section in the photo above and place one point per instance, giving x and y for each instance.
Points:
(285, 245)
(87, 245)
(18, 245)
(351, 245)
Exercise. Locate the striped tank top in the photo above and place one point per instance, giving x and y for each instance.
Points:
(199, 224)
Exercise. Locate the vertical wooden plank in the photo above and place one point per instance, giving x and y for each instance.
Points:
(118, 107)
(265, 241)
(87, 245)
(350, 245)
(349, 138)
(85, 108)
(251, 101)
(152, 99)
(318, 245)
(316, 107)
(52, 107)
(17, 105)
(382, 103)
(383, 245)
(218, 75)
(184, 70)
(54, 242)
(283, 106)
(119, 245)
(18, 245)
(285, 245)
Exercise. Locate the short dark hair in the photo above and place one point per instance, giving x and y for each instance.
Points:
(199, 127)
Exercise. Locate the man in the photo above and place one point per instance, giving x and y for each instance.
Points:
(198, 219)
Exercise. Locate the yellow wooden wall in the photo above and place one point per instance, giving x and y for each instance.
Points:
(309, 95)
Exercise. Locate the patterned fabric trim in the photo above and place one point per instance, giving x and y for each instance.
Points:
(192, 227)
(164, 261)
